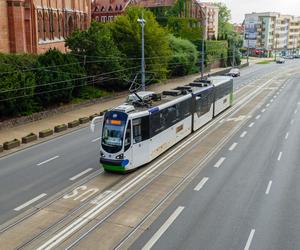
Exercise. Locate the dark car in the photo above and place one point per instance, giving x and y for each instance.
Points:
(235, 72)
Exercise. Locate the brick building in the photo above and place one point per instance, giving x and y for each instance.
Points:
(34, 26)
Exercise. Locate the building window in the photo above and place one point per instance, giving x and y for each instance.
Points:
(40, 27)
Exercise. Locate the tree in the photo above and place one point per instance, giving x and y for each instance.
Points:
(127, 32)
(184, 57)
(59, 77)
(225, 27)
(99, 53)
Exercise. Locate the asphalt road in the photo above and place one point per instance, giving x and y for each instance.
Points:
(247, 196)
(31, 175)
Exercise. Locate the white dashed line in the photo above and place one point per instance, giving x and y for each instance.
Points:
(163, 229)
(296, 111)
(251, 124)
(201, 184)
(26, 204)
(292, 121)
(257, 117)
(269, 187)
(219, 162)
(287, 135)
(247, 247)
(232, 147)
(263, 110)
(46, 161)
(243, 134)
(80, 174)
(268, 105)
(279, 156)
(97, 139)
(271, 100)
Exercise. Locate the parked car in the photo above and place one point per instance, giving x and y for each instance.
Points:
(289, 57)
(297, 56)
(280, 60)
(234, 72)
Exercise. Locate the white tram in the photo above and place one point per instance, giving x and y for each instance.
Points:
(133, 135)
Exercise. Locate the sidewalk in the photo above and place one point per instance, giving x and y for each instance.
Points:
(63, 118)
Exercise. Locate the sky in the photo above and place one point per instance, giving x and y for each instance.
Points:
(240, 7)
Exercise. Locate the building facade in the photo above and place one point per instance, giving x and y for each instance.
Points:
(207, 13)
(272, 32)
(34, 26)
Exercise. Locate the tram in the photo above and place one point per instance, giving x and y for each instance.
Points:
(135, 133)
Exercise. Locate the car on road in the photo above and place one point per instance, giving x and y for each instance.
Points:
(234, 72)
(289, 57)
(280, 60)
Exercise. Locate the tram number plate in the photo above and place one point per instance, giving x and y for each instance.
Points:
(179, 128)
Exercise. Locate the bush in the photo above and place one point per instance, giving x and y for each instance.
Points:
(184, 57)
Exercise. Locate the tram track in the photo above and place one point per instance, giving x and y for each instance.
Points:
(164, 158)
(229, 112)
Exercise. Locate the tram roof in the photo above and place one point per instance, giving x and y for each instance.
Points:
(167, 99)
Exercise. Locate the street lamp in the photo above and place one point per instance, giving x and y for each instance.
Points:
(142, 22)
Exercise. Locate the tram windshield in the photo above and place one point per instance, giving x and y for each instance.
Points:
(113, 131)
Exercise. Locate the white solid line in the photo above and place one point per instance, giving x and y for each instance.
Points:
(263, 110)
(287, 135)
(232, 147)
(243, 134)
(29, 202)
(51, 159)
(219, 162)
(247, 247)
(201, 184)
(269, 187)
(257, 117)
(251, 125)
(80, 174)
(97, 139)
(222, 121)
(279, 156)
(268, 105)
(163, 229)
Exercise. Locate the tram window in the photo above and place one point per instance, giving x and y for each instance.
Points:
(140, 129)
(185, 108)
(171, 115)
(127, 142)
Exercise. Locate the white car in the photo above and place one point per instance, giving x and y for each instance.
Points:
(234, 72)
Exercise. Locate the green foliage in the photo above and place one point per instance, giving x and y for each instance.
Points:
(16, 80)
(127, 32)
(184, 57)
(187, 28)
(225, 27)
(98, 52)
(90, 92)
(58, 78)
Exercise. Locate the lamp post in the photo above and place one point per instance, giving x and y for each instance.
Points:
(142, 22)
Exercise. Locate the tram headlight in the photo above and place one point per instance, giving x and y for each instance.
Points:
(101, 154)
(119, 157)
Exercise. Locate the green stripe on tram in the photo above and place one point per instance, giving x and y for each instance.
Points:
(113, 168)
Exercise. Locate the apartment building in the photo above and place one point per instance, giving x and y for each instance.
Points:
(271, 31)
(34, 26)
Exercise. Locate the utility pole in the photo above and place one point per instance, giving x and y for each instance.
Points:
(248, 49)
(233, 54)
(203, 43)
(142, 22)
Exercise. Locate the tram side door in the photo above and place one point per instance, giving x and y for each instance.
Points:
(140, 148)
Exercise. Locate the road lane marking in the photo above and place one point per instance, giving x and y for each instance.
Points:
(287, 135)
(292, 121)
(219, 162)
(243, 134)
(296, 111)
(30, 202)
(263, 110)
(46, 161)
(269, 187)
(271, 100)
(222, 121)
(268, 105)
(257, 117)
(201, 184)
(275, 97)
(163, 229)
(80, 174)
(97, 139)
(247, 247)
(232, 147)
(279, 156)
(251, 124)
